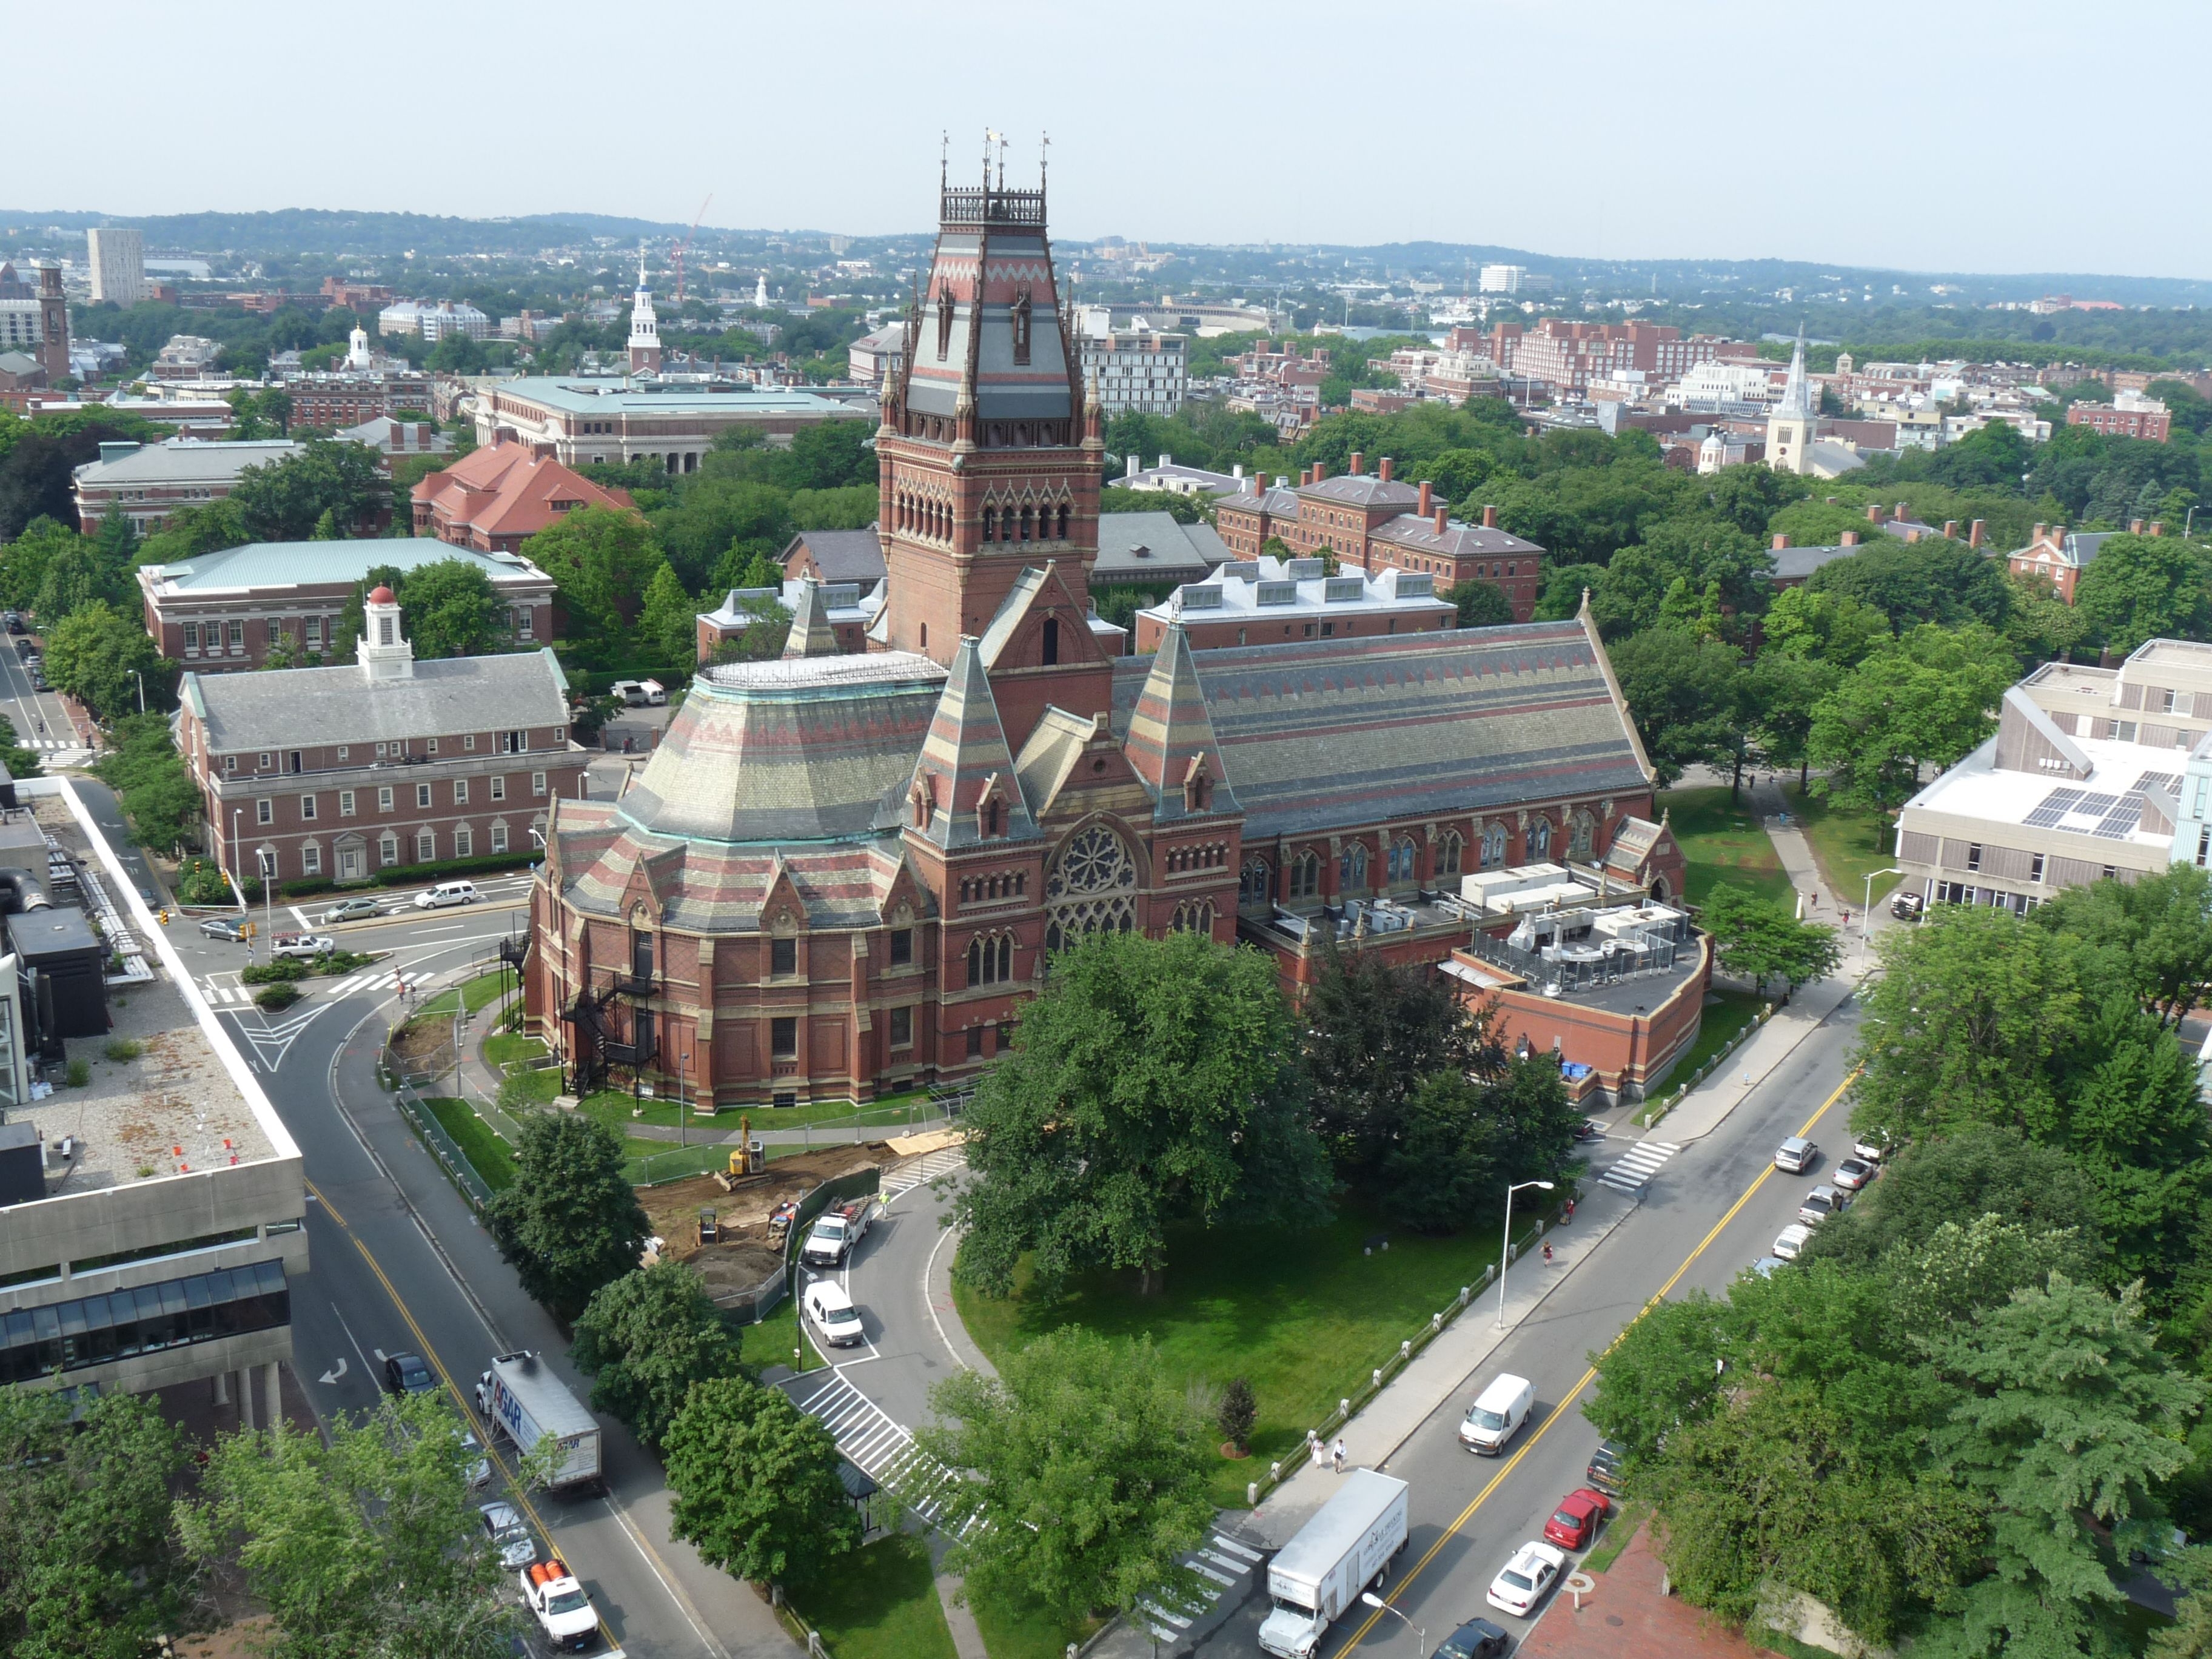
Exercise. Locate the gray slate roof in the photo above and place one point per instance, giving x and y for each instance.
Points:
(295, 708)
(292, 564)
(1170, 552)
(188, 460)
(842, 555)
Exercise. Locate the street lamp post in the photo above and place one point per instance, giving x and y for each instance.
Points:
(682, 1106)
(1866, 914)
(266, 862)
(1420, 1636)
(1508, 1250)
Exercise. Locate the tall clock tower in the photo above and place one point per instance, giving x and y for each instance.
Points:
(992, 449)
(53, 326)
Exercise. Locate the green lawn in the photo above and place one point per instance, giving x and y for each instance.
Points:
(1028, 1631)
(1302, 1315)
(1849, 843)
(510, 1047)
(613, 1107)
(1614, 1539)
(770, 1342)
(479, 1142)
(1722, 841)
(880, 1603)
(477, 993)
(1722, 1020)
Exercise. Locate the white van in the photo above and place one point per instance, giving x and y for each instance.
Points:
(656, 694)
(632, 692)
(837, 1321)
(1497, 1413)
(445, 893)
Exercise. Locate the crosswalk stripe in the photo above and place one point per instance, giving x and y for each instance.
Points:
(873, 1441)
(1638, 1165)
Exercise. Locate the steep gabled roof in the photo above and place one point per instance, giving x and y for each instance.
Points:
(1171, 737)
(811, 633)
(966, 761)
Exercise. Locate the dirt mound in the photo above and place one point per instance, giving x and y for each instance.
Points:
(742, 1259)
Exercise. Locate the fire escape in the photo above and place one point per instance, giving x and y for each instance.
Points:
(601, 1016)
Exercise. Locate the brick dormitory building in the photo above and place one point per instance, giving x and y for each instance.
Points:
(841, 874)
(1379, 522)
(347, 772)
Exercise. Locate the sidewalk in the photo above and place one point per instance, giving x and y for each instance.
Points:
(1443, 1369)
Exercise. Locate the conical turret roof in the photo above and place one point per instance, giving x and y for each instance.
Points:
(1171, 738)
(965, 761)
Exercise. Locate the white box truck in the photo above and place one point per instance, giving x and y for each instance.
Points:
(1345, 1547)
(521, 1399)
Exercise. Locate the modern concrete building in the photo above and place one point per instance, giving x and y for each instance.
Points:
(672, 422)
(151, 1221)
(117, 255)
(226, 610)
(384, 761)
(1140, 371)
(2093, 773)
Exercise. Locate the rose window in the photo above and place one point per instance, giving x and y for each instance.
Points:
(1091, 886)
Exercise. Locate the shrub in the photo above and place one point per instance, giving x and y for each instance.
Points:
(124, 1048)
(200, 881)
(282, 972)
(79, 1073)
(408, 875)
(275, 998)
(342, 961)
(1237, 1414)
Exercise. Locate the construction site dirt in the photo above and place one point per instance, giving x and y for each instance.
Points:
(740, 1257)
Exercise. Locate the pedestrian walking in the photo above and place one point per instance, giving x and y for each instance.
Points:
(1567, 1214)
(1320, 1452)
(1548, 1252)
(1336, 1454)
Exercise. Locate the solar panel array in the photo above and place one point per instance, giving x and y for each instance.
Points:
(2120, 823)
(2169, 781)
(2055, 806)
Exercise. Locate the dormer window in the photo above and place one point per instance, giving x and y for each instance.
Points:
(943, 320)
(1021, 312)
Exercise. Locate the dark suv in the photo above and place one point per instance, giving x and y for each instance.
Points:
(1604, 1467)
(405, 1373)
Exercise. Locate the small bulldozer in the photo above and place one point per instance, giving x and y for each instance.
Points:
(748, 1158)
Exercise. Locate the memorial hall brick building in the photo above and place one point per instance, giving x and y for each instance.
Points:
(842, 875)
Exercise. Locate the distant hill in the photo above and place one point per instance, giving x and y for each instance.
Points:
(315, 230)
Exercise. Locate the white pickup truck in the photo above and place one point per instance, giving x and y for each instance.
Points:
(559, 1604)
(833, 1235)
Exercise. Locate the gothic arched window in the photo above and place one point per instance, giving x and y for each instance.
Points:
(1352, 868)
(1539, 839)
(1305, 875)
(990, 523)
(1403, 860)
(1063, 522)
(1091, 887)
(1254, 882)
(1493, 846)
(1449, 853)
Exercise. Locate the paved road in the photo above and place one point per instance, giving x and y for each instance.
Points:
(27, 709)
(1710, 1210)
(399, 1262)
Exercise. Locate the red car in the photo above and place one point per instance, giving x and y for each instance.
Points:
(1574, 1523)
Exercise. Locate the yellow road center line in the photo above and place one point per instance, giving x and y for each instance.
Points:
(329, 1208)
(1587, 1377)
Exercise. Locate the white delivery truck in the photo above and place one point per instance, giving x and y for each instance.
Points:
(1344, 1548)
(521, 1399)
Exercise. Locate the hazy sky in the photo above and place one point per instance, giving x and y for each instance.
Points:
(1925, 134)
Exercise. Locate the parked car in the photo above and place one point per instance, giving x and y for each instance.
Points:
(352, 910)
(1585, 1130)
(225, 928)
(305, 946)
(445, 893)
(1853, 1173)
(1791, 1240)
(479, 1465)
(1606, 1466)
(405, 1373)
(1907, 907)
(1796, 1155)
(1873, 1148)
(509, 1534)
(1823, 1201)
(1526, 1579)
(1478, 1638)
(1765, 1265)
(1575, 1522)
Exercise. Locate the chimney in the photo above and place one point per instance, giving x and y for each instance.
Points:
(1444, 518)
(1975, 531)
(1321, 471)
(1357, 456)
(2157, 527)
(1780, 542)
(1238, 470)
(1849, 538)
(1428, 492)
(1950, 530)
(1905, 509)
(2134, 527)
(1167, 461)
(2038, 535)
(1874, 513)
(1489, 518)
(1382, 470)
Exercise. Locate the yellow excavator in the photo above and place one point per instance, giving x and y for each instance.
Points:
(746, 1158)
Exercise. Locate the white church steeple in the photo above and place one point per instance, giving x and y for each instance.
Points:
(383, 652)
(1789, 427)
(644, 327)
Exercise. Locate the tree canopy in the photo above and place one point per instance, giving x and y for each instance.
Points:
(570, 1222)
(645, 1338)
(755, 1483)
(1151, 1081)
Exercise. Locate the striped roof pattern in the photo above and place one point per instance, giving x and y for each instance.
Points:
(965, 755)
(1170, 732)
(805, 749)
(1325, 734)
(706, 887)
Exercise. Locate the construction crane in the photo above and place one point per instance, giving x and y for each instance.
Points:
(686, 248)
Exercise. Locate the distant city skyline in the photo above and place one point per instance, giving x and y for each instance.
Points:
(1904, 137)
